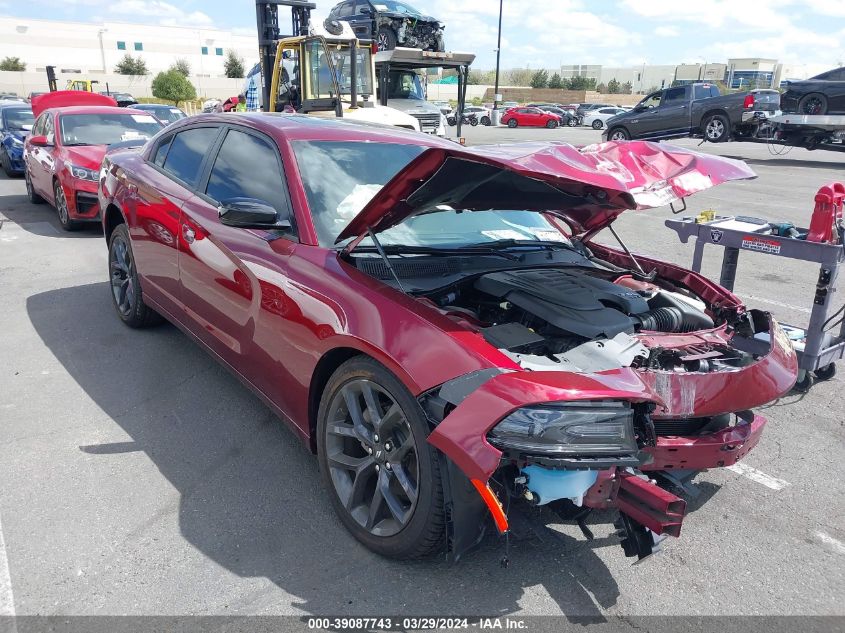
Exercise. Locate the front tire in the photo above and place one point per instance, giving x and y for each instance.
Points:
(618, 134)
(6, 162)
(597, 124)
(62, 209)
(717, 128)
(513, 123)
(551, 124)
(382, 475)
(386, 39)
(33, 197)
(126, 293)
(813, 104)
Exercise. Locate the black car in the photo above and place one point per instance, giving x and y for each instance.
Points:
(390, 24)
(822, 94)
(124, 99)
(566, 117)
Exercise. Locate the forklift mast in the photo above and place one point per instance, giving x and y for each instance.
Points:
(267, 19)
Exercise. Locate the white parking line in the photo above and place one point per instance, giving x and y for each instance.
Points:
(835, 544)
(759, 476)
(7, 598)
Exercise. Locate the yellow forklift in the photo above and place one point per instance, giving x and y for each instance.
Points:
(322, 70)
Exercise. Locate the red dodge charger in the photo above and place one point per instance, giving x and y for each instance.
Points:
(437, 323)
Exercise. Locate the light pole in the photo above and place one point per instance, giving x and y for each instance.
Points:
(498, 56)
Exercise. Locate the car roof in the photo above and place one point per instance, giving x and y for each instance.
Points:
(15, 104)
(294, 127)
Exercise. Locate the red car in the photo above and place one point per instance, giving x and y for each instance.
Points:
(530, 117)
(436, 322)
(62, 154)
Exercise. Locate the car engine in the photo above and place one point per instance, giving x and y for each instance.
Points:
(587, 320)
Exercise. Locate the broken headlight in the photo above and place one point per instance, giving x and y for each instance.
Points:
(583, 428)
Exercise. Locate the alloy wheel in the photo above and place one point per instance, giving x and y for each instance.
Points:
(715, 129)
(618, 135)
(61, 204)
(120, 267)
(813, 105)
(382, 42)
(372, 457)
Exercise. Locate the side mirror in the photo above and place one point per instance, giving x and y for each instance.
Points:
(365, 11)
(39, 141)
(249, 213)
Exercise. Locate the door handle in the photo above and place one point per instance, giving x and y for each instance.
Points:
(188, 234)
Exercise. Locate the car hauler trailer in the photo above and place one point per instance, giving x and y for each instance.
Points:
(410, 60)
(810, 131)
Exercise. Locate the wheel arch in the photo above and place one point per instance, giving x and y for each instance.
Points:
(112, 219)
(712, 112)
(328, 365)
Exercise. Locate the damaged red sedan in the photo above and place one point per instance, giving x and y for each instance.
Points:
(437, 323)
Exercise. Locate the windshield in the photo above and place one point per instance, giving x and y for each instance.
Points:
(405, 86)
(168, 115)
(396, 7)
(105, 129)
(340, 178)
(319, 73)
(16, 118)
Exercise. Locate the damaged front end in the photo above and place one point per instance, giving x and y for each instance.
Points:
(621, 438)
(414, 32)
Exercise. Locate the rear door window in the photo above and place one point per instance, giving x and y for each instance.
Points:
(187, 152)
(248, 166)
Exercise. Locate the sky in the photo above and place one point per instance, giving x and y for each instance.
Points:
(548, 33)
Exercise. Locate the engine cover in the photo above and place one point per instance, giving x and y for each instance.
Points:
(569, 300)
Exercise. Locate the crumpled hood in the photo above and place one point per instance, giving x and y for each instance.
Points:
(418, 18)
(88, 156)
(587, 187)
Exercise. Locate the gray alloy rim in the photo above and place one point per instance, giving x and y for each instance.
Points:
(597, 125)
(813, 106)
(618, 135)
(372, 458)
(382, 41)
(61, 204)
(715, 129)
(120, 266)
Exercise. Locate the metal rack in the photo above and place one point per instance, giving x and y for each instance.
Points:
(816, 347)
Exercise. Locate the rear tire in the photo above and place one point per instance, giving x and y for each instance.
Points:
(485, 120)
(62, 209)
(597, 124)
(33, 197)
(513, 123)
(382, 476)
(717, 128)
(572, 122)
(126, 293)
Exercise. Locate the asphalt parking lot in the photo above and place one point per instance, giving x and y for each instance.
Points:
(141, 478)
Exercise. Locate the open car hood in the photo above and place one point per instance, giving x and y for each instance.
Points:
(587, 187)
(66, 98)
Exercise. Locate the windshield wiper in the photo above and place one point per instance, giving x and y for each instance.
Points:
(536, 244)
(399, 249)
(77, 144)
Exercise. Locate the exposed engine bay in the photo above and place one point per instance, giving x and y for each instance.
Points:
(581, 319)
(413, 32)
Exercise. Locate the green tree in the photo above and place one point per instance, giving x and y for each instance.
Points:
(234, 65)
(540, 79)
(627, 88)
(583, 83)
(518, 77)
(131, 66)
(556, 82)
(602, 88)
(182, 66)
(613, 87)
(173, 86)
(12, 63)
